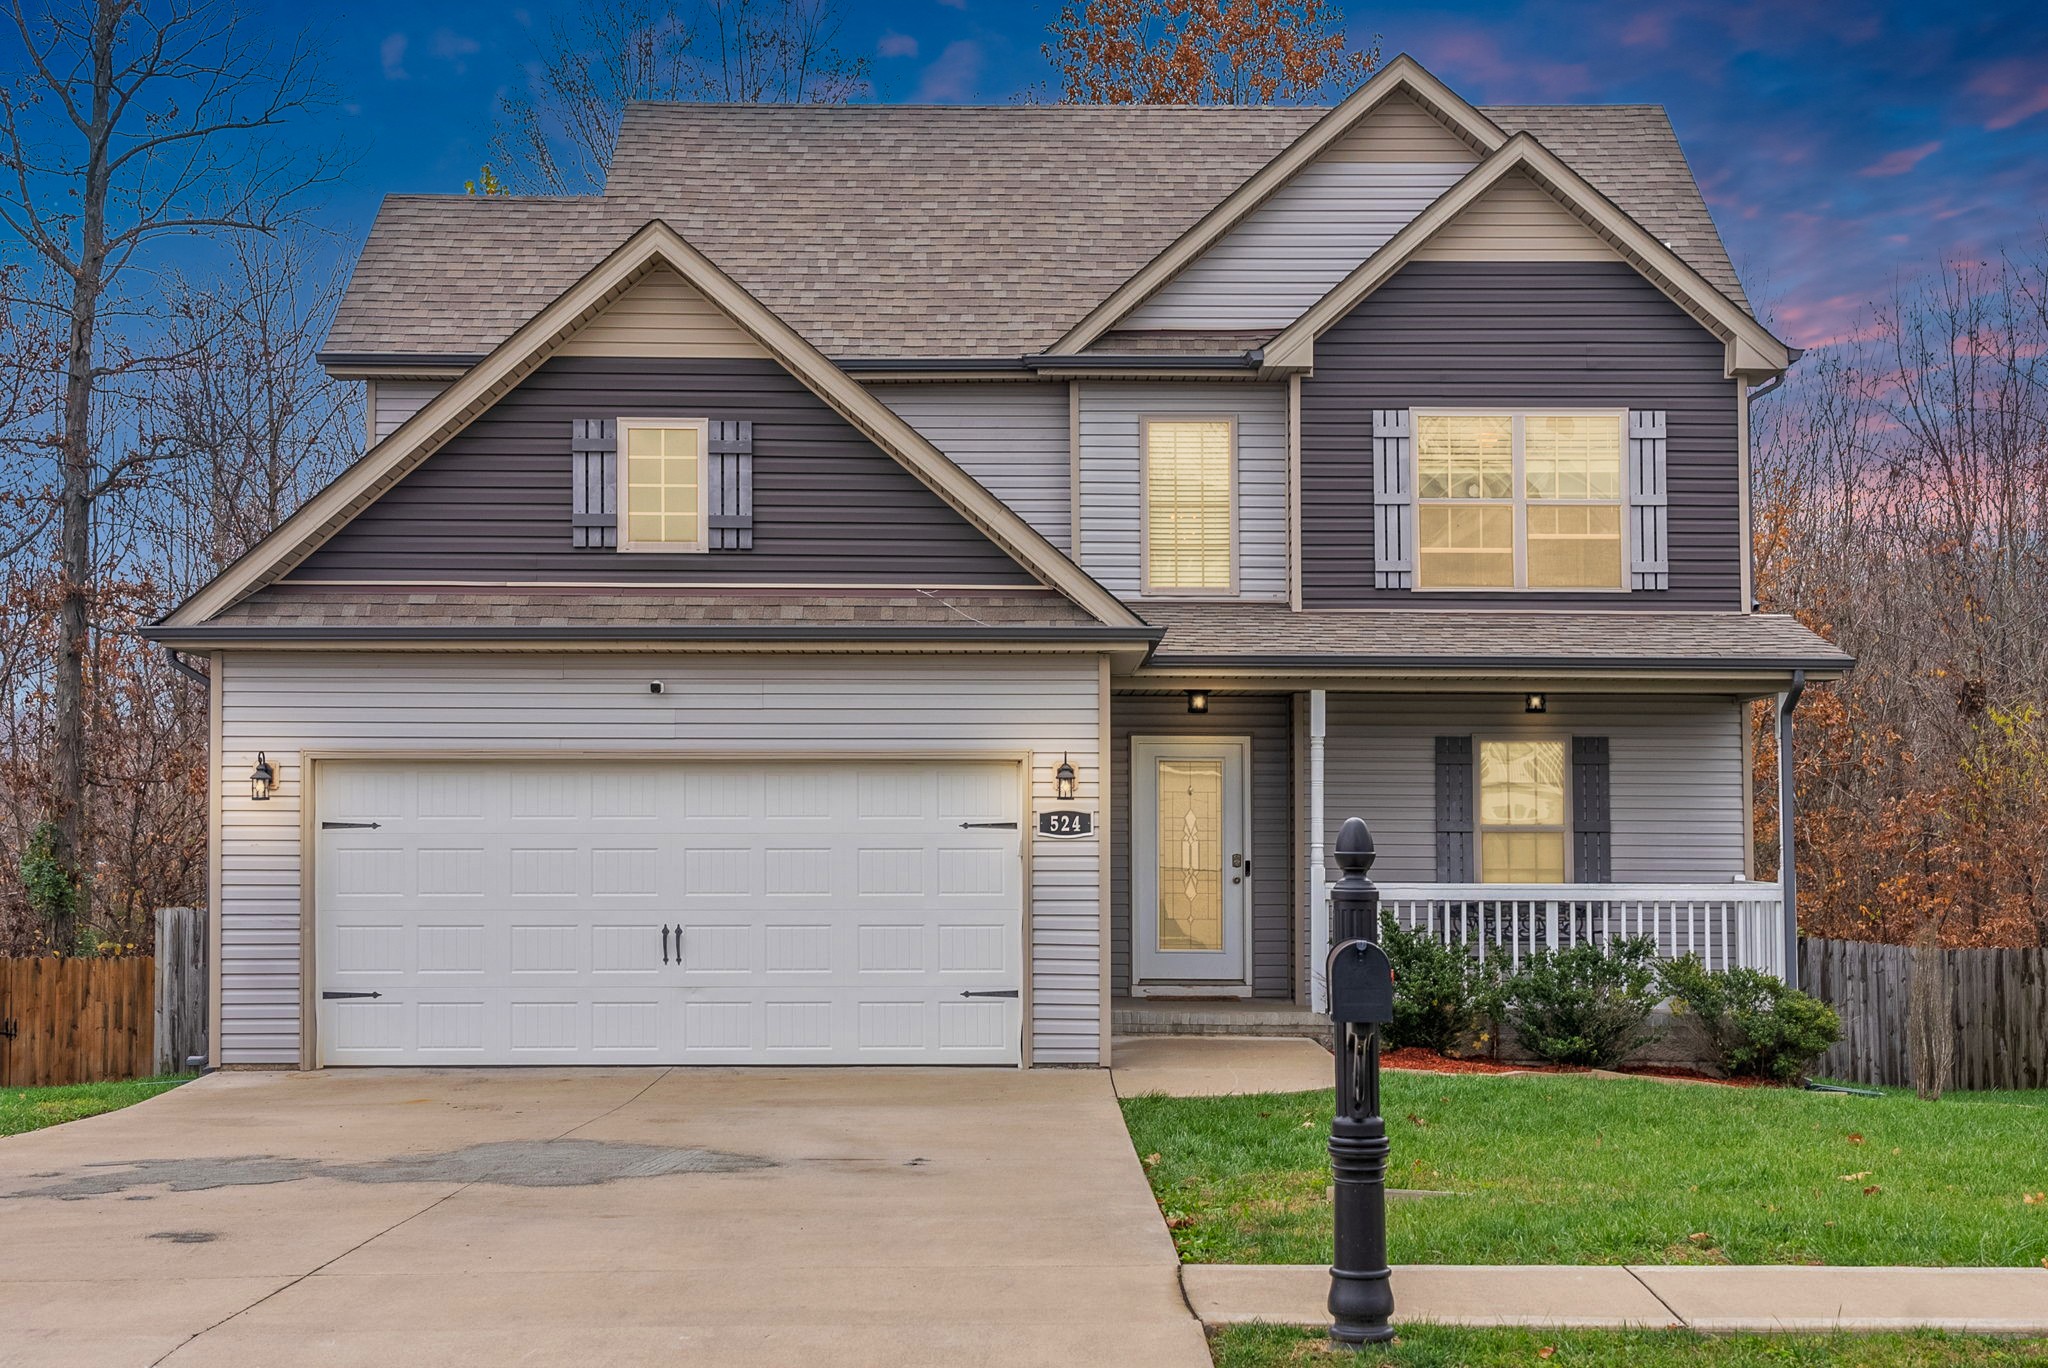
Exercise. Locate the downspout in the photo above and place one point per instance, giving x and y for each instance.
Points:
(178, 663)
(1788, 864)
(1318, 901)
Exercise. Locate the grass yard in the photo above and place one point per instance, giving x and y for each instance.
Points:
(1266, 1346)
(27, 1109)
(1577, 1170)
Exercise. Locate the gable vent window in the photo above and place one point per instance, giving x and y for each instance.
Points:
(664, 484)
(1189, 492)
(1519, 500)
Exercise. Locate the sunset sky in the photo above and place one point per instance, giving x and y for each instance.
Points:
(1841, 146)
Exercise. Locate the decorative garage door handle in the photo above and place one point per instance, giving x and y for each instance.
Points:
(664, 942)
(996, 992)
(330, 996)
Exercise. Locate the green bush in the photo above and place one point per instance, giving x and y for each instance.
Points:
(1586, 1005)
(1756, 1026)
(1433, 989)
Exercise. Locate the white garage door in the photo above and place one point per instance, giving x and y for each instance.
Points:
(671, 912)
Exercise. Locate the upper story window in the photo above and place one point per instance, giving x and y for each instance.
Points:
(1190, 505)
(1522, 812)
(1519, 500)
(663, 483)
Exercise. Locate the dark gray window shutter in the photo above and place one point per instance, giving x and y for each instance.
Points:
(594, 483)
(729, 485)
(1592, 812)
(1393, 499)
(1649, 561)
(1454, 809)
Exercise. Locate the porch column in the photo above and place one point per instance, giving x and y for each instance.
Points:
(1318, 901)
(1788, 864)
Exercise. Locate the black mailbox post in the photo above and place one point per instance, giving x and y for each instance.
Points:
(1361, 992)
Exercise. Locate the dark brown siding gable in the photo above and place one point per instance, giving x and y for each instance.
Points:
(829, 506)
(1519, 334)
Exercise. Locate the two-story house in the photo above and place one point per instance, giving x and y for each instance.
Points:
(882, 584)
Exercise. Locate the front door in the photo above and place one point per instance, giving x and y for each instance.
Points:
(1190, 861)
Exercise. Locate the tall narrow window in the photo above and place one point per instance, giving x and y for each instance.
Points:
(1522, 813)
(1519, 501)
(1189, 469)
(664, 484)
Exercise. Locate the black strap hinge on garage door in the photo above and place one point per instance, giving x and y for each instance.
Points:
(348, 826)
(992, 826)
(329, 997)
(993, 992)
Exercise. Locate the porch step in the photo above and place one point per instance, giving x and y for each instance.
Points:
(1216, 1016)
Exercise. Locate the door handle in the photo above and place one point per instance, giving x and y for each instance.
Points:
(679, 945)
(664, 942)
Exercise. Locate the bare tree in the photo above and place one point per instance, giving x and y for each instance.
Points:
(133, 121)
(557, 136)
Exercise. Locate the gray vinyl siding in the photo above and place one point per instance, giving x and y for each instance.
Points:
(1111, 504)
(1268, 720)
(394, 401)
(289, 704)
(1293, 249)
(1519, 334)
(494, 503)
(1010, 437)
(1675, 767)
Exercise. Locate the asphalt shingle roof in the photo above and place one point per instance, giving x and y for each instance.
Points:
(1220, 634)
(911, 231)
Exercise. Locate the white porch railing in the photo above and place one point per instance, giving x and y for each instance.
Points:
(1724, 924)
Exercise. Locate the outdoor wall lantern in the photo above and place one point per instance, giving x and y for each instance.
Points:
(1063, 780)
(1198, 700)
(1535, 703)
(262, 779)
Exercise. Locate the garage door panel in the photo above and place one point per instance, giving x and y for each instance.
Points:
(713, 913)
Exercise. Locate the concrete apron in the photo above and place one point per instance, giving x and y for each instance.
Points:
(2007, 1301)
(488, 1217)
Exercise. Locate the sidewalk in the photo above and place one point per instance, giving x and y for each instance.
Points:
(2005, 1301)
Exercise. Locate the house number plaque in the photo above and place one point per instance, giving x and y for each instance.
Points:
(1066, 824)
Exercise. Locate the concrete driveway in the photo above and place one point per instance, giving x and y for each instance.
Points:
(615, 1216)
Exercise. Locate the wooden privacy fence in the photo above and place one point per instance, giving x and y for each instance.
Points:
(76, 1020)
(2000, 1015)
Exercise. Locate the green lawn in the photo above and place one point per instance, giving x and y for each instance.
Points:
(1265, 1346)
(27, 1109)
(1576, 1170)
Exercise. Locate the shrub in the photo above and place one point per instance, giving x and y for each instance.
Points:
(1433, 986)
(1756, 1026)
(1585, 1005)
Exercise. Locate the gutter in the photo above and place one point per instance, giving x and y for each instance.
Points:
(1306, 663)
(461, 636)
(178, 662)
(366, 363)
(1788, 862)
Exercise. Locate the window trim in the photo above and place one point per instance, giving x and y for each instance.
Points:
(1480, 826)
(1145, 587)
(1520, 502)
(621, 427)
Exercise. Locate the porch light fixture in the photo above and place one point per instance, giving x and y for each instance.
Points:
(1198, 700)
(1063, 780)
(262, 779)
(1535, 703)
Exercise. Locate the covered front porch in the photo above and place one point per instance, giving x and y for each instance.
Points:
(1509, 814)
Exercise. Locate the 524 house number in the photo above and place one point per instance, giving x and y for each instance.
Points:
(1066, 824)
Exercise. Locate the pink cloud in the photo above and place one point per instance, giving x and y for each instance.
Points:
(1649, 28)
(896, 45)
(1476, 57)
(1900, 162)
(2016, 90)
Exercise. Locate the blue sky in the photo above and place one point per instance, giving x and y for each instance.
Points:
(1841, 145)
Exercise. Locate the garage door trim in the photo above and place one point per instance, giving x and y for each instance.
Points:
(311, 762)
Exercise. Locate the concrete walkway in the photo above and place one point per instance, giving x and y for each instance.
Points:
(2012, 1301)
(887, 1217)
(1217, 1066)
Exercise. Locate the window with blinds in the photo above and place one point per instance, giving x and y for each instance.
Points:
(1189, 497)
(1519, 500)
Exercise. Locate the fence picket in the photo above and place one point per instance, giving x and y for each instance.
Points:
(2000, 1017)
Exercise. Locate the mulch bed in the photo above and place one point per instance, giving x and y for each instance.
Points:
(1428, 1061)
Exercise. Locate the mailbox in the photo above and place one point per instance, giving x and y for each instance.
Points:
(1361, 980)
